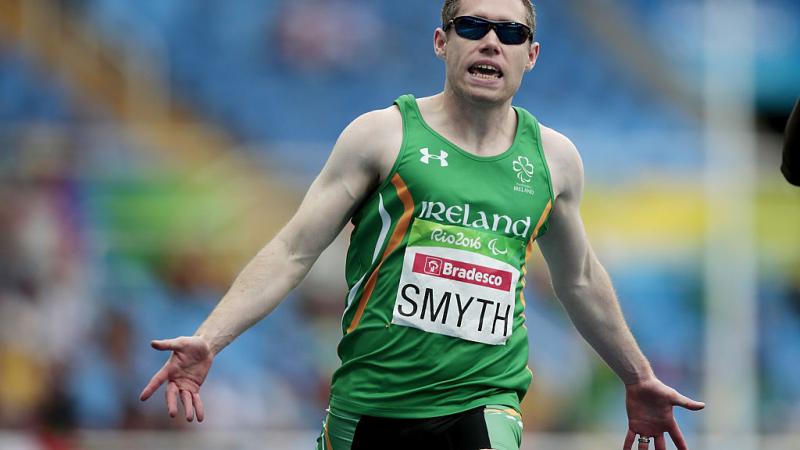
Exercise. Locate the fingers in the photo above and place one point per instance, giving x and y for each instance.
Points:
(158, 379)
(198, 407)
(161, 376)
(192, 405)
(685, 402)
(188, 409)
(690, 404)
(677, 437)
(167, 344)
(660, 443)
(628, 440)
(172, 399)
(644, 445)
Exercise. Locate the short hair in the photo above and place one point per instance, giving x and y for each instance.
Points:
(450, 8)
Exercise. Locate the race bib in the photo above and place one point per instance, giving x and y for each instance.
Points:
(458, 282)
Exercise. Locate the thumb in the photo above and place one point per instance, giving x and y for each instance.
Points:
(167, 344)
(686, 402)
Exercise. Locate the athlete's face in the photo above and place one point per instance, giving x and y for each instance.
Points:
(468, 62)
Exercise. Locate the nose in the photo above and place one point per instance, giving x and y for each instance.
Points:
(490, 44)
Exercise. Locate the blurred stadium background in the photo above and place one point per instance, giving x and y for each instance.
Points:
(148, 149)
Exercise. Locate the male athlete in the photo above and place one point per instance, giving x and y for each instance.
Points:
(447, 195)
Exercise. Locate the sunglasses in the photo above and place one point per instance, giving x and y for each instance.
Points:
(475, 28)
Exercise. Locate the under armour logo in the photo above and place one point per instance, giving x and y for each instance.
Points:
(524, 169)
(426, 156)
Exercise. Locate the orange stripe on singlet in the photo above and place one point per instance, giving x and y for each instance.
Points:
(529, 248)
(328, 444)
(394, 242)
(542, 218)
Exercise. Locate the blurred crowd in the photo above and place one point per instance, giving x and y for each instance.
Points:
(76, 316)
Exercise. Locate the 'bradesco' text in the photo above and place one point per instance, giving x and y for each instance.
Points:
(463, 215)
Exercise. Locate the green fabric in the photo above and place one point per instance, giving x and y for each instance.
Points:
(505, 428)
(405, 352)
(338, 431)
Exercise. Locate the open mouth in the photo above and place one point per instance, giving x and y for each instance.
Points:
(485, 71)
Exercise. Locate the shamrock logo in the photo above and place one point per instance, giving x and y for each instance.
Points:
(524, 169)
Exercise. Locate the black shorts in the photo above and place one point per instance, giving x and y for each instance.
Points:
(487, 427)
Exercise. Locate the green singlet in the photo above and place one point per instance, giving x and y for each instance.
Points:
(434, 319)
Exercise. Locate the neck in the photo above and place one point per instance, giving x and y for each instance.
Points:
(482, 128)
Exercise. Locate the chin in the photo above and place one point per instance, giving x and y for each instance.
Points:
(484, 95)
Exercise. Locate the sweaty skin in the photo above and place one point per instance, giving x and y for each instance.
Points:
(476, 115)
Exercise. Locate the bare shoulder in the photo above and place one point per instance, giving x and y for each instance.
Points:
(563, 160)
(377, 124)
(373, 139)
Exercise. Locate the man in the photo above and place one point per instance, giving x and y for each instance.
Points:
(447, 195)
(790, 165)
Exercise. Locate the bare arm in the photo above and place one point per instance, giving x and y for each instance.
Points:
(360, 158)
(579, 280)
(584, 288)
(349, 174)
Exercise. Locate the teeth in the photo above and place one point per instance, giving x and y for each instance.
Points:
(485, 71)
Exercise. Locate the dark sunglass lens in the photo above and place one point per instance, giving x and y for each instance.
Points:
(471, 28)
(512, 34)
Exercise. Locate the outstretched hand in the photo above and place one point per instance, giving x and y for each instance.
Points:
(184, 372)
(649, 404)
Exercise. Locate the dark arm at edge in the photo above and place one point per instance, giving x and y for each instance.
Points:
(791, 147)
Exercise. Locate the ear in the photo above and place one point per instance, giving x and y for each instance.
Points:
(440, 43)
(533, 55)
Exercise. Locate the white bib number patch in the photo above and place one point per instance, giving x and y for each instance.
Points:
(456, 292)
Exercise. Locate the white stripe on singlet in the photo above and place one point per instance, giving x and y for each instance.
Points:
(386, 220)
